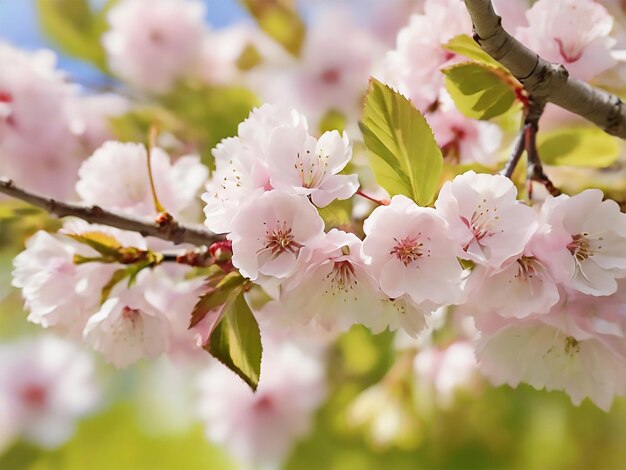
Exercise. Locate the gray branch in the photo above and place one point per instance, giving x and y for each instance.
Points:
(545, 81)
(164, 228)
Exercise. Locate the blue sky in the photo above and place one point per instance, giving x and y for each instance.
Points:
(19, 26)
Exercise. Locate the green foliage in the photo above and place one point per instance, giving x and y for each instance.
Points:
(115, 440)
(207, 114)
(337, 214)
(481, 91)
(331, 121)
(578, 146)
(467, 47)
(219, 288)
(403, 152)
(103, 243)
(236, 340)
(75, 27)
(280, 20)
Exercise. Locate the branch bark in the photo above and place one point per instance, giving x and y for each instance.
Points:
(545, 81)
(165, 229)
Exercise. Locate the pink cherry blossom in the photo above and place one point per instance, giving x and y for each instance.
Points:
(333, 286)
(405, 315)
(447, 371)
(579, 347)
(239, 177)
(575, 33)
(116, 177)
(257, 129)
(127, 327)
(583, 240)
(57, 292)
(270, 231)
(260, 427)
(412, 254)
(484, 217)
(522, 287)
(462, 139)
(414, 66)
(301, 164)
(166, 46)
(37, 147)
(48, 384)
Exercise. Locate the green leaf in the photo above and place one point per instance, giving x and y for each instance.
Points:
(75, 28)
(216, 296)
(403, 152)
(337, 214)
(280, 20)
(103, 243)
(481, 91)
(467, 47)
(578, 146)
(236, 341)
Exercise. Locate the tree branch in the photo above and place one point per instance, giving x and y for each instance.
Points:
(164, 228)
(546, 82)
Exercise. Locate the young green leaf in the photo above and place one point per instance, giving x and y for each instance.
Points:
(236, 340)
(481, 91)
(467, 47)
(216, 295)
(403, 152)
(280, 21)
(103, 243)
(588, 147)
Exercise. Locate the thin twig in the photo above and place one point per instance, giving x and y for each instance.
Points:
(518, 151)
(544, 81)
(167, 229)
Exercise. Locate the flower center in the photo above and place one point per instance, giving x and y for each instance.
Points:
(331, 76)
(342, 279)
(280, 240)
(407, 250)
(527, 268)
(572, 346)
(34, 395)
(313, 169)
(483, 222)
(580, 247)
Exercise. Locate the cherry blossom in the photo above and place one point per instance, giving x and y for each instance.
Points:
(162, 50)
(447, 371)
(270, 231)
(485, 218)
(578, 347)
(414, 66)
(464, 140)
(301, 164)
(37, 147)
(574, 33)
(127, 327)
(48, 384)
(522, 287)
(58, 292)
(239, 177)
(177, 185)
(412, 254)
(583, 240)
(260, 427)
(334, 287)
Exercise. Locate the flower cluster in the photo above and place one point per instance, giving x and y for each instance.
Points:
(137, 318)
(527, 264)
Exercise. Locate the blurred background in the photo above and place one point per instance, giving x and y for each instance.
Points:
(380, 411)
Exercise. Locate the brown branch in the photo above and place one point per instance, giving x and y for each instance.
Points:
(544, 81)
(164, 228)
